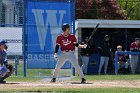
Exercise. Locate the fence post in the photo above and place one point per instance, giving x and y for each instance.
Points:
(16, 64)
(116, 63)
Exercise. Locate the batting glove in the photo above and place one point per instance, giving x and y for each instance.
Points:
(85, 46)
(56, 56)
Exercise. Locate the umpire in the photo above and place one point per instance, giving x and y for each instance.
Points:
(5, 69)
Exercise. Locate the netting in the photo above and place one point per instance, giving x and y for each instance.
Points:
(11, 13)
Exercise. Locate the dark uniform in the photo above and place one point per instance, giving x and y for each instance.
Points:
(105, 50)
(85, 55)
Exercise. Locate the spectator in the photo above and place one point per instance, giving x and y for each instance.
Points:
(85, 54)
(123, 65)
(134, 47)
(105, 50)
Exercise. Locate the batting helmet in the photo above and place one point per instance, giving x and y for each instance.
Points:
(64, 26)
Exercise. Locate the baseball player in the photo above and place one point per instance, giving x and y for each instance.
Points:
(121, 59)
(5, 69)
(85, 55)
(135, 47)
(67, 42)
(105, 49)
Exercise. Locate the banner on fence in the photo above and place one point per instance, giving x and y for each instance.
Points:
(44, 20)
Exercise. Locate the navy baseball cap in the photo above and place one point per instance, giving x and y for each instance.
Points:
(3, 42)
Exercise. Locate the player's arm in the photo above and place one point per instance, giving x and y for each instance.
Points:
(56, 51)
(57, 44)
(56, 48)
(80, 45)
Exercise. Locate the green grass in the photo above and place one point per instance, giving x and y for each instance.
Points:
(79, 90)
(88, 77)
(111, 77)
(33, 72)
(22, 79)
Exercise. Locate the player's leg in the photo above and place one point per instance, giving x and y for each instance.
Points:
(106, 64)
(126, 66)
(102, 60)
(85, 60)
(83, 64)
(75, 64)
(58, 66)
(135, 63)
(132, 60)
(5, 73)
(8, 74)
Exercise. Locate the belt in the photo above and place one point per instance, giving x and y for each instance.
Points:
(67, 50)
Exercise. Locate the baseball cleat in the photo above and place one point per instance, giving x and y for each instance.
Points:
(2, 82)
(83, 80)
(53, 80)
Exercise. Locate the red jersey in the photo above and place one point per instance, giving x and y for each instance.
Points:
(66, 42)
(121, 57)
(133, 46)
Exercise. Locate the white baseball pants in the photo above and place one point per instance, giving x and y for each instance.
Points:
(67, 56)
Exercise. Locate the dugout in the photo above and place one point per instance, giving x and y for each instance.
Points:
(122, 32)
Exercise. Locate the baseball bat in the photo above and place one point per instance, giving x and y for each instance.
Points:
(93, 32)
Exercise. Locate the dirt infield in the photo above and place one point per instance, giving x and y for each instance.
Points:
(71, 84)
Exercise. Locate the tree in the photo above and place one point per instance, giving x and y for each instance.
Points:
(83, 7)
(109, 9)
(99, 9)
(131, 8)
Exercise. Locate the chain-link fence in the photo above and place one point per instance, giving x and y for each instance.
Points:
(11, 13)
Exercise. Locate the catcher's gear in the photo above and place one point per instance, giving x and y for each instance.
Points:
(64, 26)
(3, 71)
(6, 72)
(10, 68)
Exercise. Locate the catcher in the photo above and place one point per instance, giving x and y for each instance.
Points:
(5, 69)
